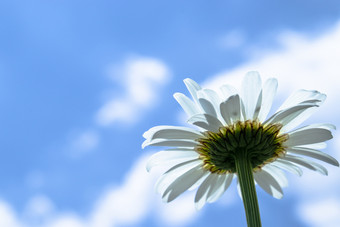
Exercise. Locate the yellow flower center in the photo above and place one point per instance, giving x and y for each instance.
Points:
(261, 143)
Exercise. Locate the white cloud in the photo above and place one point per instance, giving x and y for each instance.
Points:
(307, 187)
(180, 212)
(8, 217)
(38, 209)
(115, 110)
(321, 213)
(141, 79)
(302, 62)
(135, 199)
(66, 220)
(126, 204)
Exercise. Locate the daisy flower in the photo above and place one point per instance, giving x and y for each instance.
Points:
(234, 138)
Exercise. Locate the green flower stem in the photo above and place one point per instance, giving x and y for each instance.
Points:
(244, 172)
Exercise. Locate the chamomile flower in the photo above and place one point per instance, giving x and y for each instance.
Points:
(234, 138)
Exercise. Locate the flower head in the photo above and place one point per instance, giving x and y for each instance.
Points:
(232, 126)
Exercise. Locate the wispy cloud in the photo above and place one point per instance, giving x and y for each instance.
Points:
(325, 212)
(8, 217)
(301, 61)
(135, 199)
(66, 220)
(141, 80)
(39, 209)
(126, 204)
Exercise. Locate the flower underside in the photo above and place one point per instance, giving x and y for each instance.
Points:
(261, 144)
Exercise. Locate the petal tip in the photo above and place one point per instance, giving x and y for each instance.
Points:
(146, 134)
(186, 80)
(176, 94)
(147, 168)
(145, 144)
(279, 196)
(198, 206)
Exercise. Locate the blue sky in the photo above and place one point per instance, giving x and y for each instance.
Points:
(80, 81)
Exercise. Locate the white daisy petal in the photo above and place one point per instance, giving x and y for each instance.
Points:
(171, 156)
(214, 99)
(198, 183)
(288, 166)
(268, 183)
(187, 104)
(192, 87)
(308, 136)
(324, 126)
(285, 116)
(314, 154)
(318, 146)
(306, 163)
(182, 183)
(171, 132)
(299, 119)
(170, 143)
(206, 121)
(173, 173)
(268, 92)
(220, 187)
(303, 97)
(243, 111)
(251, 88)
(203, 190)
(227, 91)
(312, 101)
(212, 189)
(258, 106)
(239, 189)
(231, 110)
(207, 107)
(210, 95)
(277, 173)
(300, 96)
